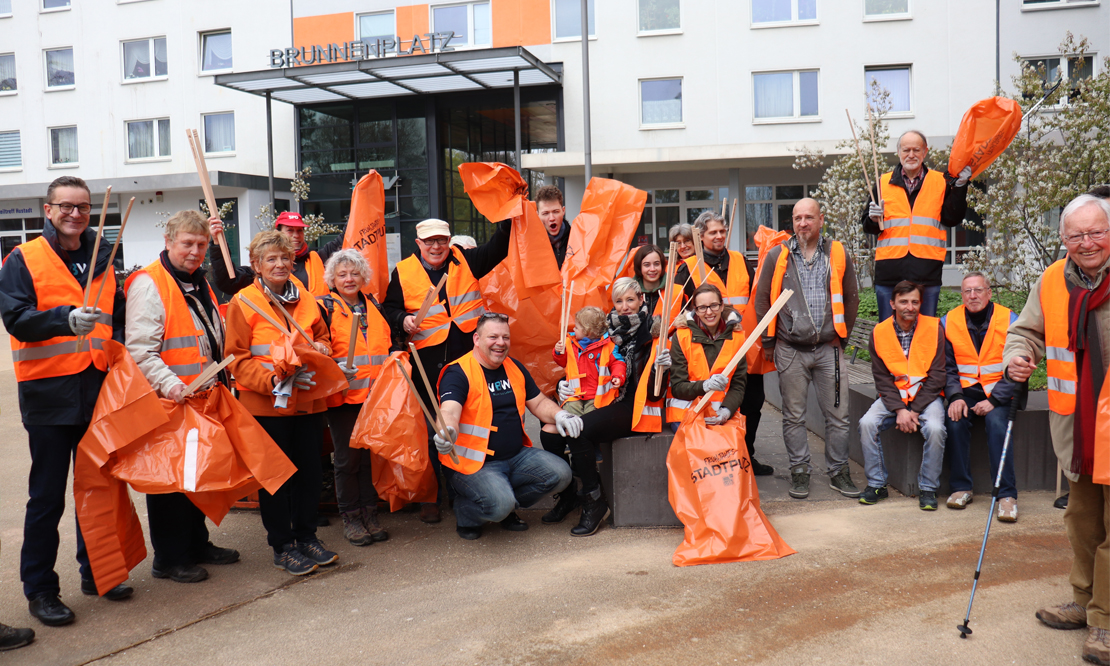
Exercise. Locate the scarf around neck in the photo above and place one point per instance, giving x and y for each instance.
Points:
(1083, 336)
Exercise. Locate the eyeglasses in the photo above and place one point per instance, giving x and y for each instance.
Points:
(485, 316)
(67, 208)
(712, 307)
(435, 241)
(975, 292)
(1095, 236)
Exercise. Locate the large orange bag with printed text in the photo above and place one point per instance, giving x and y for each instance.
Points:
(985, 132)
(713, 492)
(366, 231)
(1102, 436)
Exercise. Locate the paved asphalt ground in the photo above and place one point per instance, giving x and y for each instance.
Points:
(883, 584)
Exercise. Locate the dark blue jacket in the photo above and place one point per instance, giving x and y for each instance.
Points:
(1002, 391)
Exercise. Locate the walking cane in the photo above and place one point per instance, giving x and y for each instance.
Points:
(964, 629)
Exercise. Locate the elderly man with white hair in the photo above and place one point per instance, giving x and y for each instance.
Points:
(1066, 320)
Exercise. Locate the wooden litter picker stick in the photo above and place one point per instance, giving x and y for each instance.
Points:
(266, 316)
(424, 408)
(874, 156)
(700, 253)
(115, 247)
(207, 374)
(209, 195)
(668, 294)
(429, 301)
(563, 316)
(731, 224)
(859, 153)
(355, 318)
(289, 318)
(92, 262)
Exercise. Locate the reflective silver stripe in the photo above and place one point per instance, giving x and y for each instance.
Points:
(989, 387)
(473, 430)
(105, 318)
(897, 222)
(362, 360)
(993, 367)
(678, 404)
(435, 310)
(469, 454)
(838, 298)
(838, 319)
(473, 314)
(604, 372)
(602, 390)
(268, 366)
(736, 300)
(429, 332)
(1059, 354)
(927, 222)
(465, 298)
(50, 351)
(187, 369)
(260, 350)
(925, 240)
(574, 383)
(970, 370)
(715, 404)
(1061, 385)
(183, 342)
(890, 242)
(360, 383)
(652, 411)
(378, 359)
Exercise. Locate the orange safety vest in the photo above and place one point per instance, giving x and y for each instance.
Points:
(263, 332)
(697, 367)
(917, 231)
(56, 287)
(371, 350)
(463, 293)
(181, 336)
(476, 421)
(606, 392)
(985, 366)
(1062, 374)
(737, 294)
(837, 265)
(909, 374)
(314, 267)
(647, 415)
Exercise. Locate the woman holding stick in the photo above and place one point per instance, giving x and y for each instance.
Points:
(289, 515)
(361, 334)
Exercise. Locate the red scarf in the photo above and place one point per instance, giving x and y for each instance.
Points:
(1089, 364)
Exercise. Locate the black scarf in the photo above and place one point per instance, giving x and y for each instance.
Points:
(623, 331)
(194, 288)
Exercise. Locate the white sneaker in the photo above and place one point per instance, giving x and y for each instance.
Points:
(1007, 510)
(959, 499)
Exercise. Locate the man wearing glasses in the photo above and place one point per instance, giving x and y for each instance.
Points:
(443, 335)
(975, 334)
(42, 288)
(1066, 320)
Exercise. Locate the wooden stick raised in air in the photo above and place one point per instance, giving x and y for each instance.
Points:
(207, 374)
(563, 316)
(699, 252)
(423, 407)
(859, 153)
(266, 316)
(665, 312)
(209, 196)
(115, 247)
(874, 155)
(731, 224)
(92, 262)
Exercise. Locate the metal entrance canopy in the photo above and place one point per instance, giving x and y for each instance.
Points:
(453, 71)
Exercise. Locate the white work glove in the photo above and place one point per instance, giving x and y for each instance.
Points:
(720, 418)
(446, 445)
(715, 383)
(350, 373)
(303, 379)
(568, 424)
(564, 390)
(663, 361)
(82, 321)
(965, 175)
(875, 211)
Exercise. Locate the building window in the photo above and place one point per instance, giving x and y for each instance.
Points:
(5, 8)
(783, 11)
(885, 8)
(219, 132)
(658, 16)
(568, 19)
(54, 5)
(661, 102)
(1074, 69)
(137, 61)
(772, 206)
(780, 95)
(1052, 4)
(11, 157)
(59, 68)
(896, 81)
(7, 73)
(215, 51)
(63, 146)
(380, 25)
(469, 22)
(148, 139)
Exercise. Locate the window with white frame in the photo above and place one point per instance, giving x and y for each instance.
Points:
(8, 83)
(783, 11)
(1050, 4)
(215, 51)
(379, 25)
(144, 59)
(148, 139)
(896, 81)
(568, 19)
(219, 132)
(59, 68)
(886, 8)
(48, 5)
(658, 16)
(63, 146)
(785, 95)
(661, 102)
(5, 8)
(470, 23)
(1072, 70)
(11, 155)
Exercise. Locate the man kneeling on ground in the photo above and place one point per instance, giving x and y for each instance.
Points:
(483, 396)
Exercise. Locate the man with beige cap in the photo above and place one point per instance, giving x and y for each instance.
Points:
(444, 334)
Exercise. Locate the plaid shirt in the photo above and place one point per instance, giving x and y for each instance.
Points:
(913, 183)
(905, 337)
(814, 278)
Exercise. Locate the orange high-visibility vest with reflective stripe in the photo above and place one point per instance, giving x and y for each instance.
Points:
(606, 392)
(56, 287)
(697, 368)
(1060, 362)
(909, 374)
(985, 366)
(180, 349)
(837, 265)
(476, 420)
(314, 267)
(917, 231)
(647, 415)
(371, 350)
(463, 294)
(737, 294)
(263, 332)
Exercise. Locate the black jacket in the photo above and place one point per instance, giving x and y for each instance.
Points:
(244, 275)
(559, 243)
(69, 399)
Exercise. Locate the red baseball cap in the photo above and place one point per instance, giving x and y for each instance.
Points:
(289, 220)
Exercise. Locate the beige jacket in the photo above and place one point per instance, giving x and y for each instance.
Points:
(1026, 338)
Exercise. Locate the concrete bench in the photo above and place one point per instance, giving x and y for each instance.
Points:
(634, 478)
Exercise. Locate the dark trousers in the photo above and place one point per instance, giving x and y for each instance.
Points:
(752, 409)
(52, 449)
(959, 445)
(601, 425)
(354, 482)
(290, 514)
(177, 530)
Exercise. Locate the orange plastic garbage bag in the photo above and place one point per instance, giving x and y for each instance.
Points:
(713, 492)
(1101, 473)
(290, 353)
(392, 426)
(366, 231)
(985, 132)
(765, 239)
(600, 238)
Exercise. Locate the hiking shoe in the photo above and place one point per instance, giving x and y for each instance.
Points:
(12, 638)
(213, 554)
(513, 523)
(117, 593)
(353, 529)
(799, 482)
(1065, 616)
(370, 521)
(180, 573)
(294, 562)
(927, 500)
(842, 483)
(315, 551)
(567, 501)
(1007, 510)
(429, 513)
(959, 499)
(1061, 501)
(468, 533)
(873, 495)
(1097, 648)
(759, 469)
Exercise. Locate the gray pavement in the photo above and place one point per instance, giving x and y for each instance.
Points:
(886, 583)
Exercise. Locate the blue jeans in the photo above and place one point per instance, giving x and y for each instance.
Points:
(929, 298)
(959, 443)
(878, 418)
(493, 492)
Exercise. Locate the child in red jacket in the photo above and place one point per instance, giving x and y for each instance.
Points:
(595, 369)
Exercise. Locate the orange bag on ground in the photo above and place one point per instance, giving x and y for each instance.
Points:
(366, 231)
(1101, 473)
(713, 492)
(392, 425)
(985, 132)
